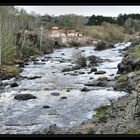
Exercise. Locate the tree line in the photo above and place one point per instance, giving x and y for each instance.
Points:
(14, 23)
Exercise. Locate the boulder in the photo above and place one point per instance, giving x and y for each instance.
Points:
(53, 129)
(14, 85)
(100, 72)
(84, 89)
(64, 97)
(39, 63)
(34, 59)
(102, 79)
(24, 97)
(73, 74)
(62, 61)
(128, 64)
(46, 106)
(43, 60)
(68, 90)
(91, 78)
(82, 50)
(97, 83)
(5, 75)
(81, 72)
(93, 70)
(62, 53)
(34, 77)
(55, 93)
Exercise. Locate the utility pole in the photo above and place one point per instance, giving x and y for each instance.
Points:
(41, 32)
(0, 45)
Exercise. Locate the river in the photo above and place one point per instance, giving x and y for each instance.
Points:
(25, 117)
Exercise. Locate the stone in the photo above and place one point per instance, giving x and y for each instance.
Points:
(93, 70)
(53, 129)
(97, 83)
(62, 53)
(24, 97)
(46, 106)
(14, 85)
(55, 93)
(73, 74)
(84, 89)
(62, 61)
(43, 60)
(63, 97)
(111, 75)
(34, 77)
(102, 79)
(91, 78)
(39, 63)
(68, 90)
(81, 72)
(82, 50)
(89, 72)
(100, 72)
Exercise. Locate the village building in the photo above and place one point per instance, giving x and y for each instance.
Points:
(56, 32)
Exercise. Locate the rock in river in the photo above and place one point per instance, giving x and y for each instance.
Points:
(39, 63)
(64, 97)
(97, 83)
(68, 90)
(55, 93)
(34, 77)
(84, 89)
(81, 72)
(93, 70)
(24, 97)
(62, 53)
(73, 74)
(100, 72)
(46, 106)
(14, 85)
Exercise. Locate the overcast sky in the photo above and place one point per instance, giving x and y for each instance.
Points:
(82, 10)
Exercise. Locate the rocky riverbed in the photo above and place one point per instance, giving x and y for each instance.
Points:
(43, 95)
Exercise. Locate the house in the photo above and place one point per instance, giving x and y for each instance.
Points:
(56, 32)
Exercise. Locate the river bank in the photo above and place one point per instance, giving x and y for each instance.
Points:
(123, 115)
(44, 95)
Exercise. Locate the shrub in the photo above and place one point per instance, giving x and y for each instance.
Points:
(47, 47)
(100, 45)
(29, 50)
(74, 43)
(122, 78)
(80, 59)
(101, 111)
(134, 131)
(107, 32)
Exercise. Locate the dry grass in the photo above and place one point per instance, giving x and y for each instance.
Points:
(12, 70)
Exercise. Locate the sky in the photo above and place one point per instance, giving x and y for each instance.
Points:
(113, 11)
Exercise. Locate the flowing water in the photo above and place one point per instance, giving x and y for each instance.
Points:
(25, 117)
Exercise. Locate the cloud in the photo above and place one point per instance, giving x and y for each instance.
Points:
(82, 10)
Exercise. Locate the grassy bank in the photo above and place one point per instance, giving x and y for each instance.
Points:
(9, 71)
(101, 111)
(106, 32)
